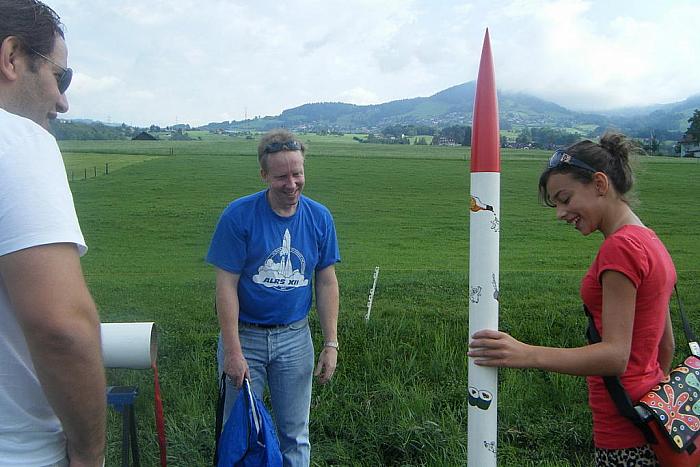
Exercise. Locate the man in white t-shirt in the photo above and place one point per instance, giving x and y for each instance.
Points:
(52, 383)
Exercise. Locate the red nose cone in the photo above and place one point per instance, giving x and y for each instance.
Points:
(485, 138)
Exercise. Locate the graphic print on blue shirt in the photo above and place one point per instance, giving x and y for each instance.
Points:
(279, 271)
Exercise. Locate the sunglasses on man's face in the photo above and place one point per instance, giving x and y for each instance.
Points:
(285, 146)
(560, 158)
(64, 79)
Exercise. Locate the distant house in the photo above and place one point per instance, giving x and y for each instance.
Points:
(443, 141)
(180, 136)
(689, 147)
(144, 136)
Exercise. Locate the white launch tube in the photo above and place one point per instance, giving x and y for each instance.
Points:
(129, 345)
(484, 226)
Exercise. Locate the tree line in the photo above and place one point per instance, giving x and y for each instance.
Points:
(545, 137)
(71, 130)
(693, 132)
(461, 135)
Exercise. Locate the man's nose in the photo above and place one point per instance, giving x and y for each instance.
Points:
(62, 104)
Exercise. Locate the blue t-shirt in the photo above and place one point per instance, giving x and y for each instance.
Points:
(275, 256)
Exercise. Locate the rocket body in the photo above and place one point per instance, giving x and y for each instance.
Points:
(484, 237)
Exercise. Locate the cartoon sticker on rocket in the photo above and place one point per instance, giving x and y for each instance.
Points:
(475, 294)
(476, 205)
(496, 294)
(491, 446)
(480, 398)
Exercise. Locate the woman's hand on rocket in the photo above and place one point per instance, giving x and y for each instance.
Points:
(498, 349)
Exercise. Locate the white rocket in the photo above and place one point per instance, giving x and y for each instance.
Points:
(484, 223)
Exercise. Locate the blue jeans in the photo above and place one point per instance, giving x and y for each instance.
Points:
(283, 359)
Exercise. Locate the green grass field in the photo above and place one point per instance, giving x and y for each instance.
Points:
(399, 396)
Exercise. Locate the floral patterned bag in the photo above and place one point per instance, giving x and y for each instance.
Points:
(675, 404)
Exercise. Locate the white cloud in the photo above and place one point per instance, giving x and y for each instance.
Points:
(85, 84)
(141, 94)
(589, 59)
(360, 96)
(202, 61)
(153, 12)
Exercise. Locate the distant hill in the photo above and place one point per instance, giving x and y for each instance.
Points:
(84, 129)
(453, 106)
(662, 117)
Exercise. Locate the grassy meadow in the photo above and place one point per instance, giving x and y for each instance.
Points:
(399, 396)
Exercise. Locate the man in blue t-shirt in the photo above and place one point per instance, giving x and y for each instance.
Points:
(268, 249)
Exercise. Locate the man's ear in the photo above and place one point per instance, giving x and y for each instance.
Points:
(10, 51)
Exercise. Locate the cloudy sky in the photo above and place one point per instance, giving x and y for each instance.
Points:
(198, 61)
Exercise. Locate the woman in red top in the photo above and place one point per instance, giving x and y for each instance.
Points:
(627, 290)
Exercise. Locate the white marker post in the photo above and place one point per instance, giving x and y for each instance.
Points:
(484, 223)
(371, 294)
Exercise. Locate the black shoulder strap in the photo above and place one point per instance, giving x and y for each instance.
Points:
(687, 330)
(615, 388)
(219, 416)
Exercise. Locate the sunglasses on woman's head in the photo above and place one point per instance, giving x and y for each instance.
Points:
(560, 158)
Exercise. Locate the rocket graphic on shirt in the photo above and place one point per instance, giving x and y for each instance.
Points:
(284, 267)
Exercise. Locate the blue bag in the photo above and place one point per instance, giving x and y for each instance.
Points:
(248, 438)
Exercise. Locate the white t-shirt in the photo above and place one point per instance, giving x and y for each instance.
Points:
(36, 208)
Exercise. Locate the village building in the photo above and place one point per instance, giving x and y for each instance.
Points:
(144, 136)
(689, 147)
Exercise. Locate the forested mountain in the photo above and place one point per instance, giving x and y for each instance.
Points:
(453, 106)
(661, 118)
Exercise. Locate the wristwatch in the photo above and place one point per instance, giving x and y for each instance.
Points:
(333, 344)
